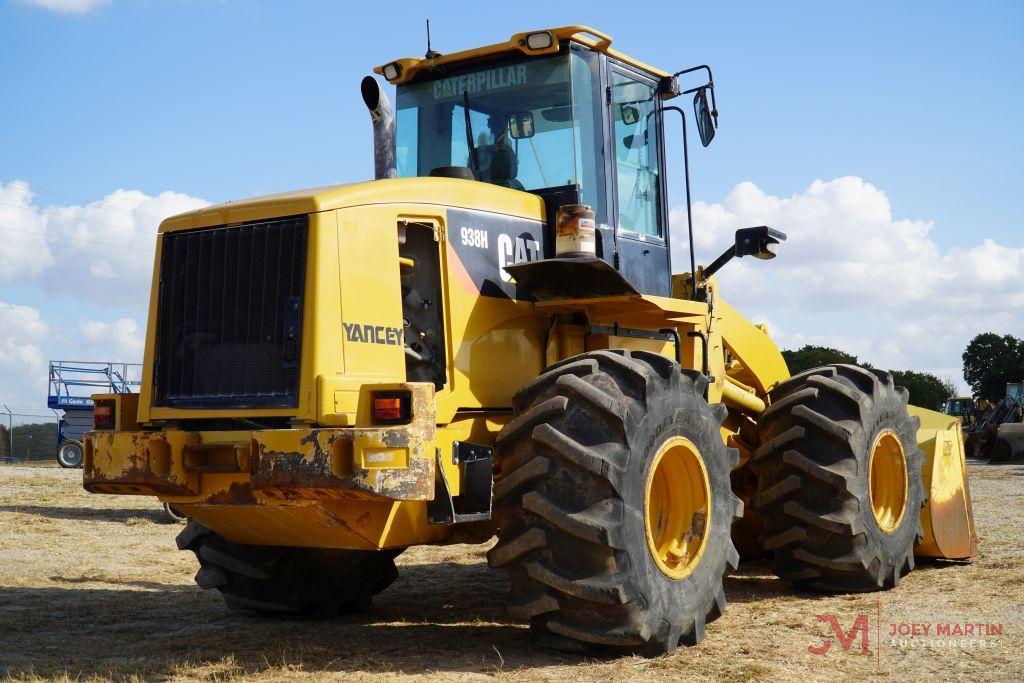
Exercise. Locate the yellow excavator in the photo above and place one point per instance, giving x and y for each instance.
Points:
(487, 339)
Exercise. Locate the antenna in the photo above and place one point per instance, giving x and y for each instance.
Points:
(430, 52)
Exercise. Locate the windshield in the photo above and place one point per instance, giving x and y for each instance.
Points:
(537, 95)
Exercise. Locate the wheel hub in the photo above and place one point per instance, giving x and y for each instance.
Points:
(887, 486)
(677, 507)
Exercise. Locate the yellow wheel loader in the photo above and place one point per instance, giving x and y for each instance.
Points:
(487, 339)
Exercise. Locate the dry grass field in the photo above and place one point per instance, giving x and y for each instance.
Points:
(91, 587)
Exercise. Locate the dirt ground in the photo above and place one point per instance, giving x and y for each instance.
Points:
(91, 587)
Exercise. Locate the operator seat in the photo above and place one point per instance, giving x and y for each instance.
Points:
(504, 165)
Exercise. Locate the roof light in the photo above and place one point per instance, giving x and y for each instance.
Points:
(392, 71)
(540, 40)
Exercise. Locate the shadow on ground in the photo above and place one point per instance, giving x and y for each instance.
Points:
(454, 613)
(445, 617)
(118, 515)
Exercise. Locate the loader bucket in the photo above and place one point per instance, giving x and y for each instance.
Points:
(947, 517)
(1009, 443)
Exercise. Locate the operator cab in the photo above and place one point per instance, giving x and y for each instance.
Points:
(962, 406)
(556, 113)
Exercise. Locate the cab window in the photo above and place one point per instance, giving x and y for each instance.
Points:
(523, 125)
(637, 171)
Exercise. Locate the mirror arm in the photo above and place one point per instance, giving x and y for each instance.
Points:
(756, 242)
(689, 208)
(728, 255)
(710, 85)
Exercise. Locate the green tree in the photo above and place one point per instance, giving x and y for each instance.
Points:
(949, 385)
(36, 441)
(990, 361)
(926, 390)
(815, 356)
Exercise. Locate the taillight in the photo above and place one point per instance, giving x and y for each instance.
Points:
(392, 407)
(103, 415)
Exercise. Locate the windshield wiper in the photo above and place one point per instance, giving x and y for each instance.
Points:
(469, 136)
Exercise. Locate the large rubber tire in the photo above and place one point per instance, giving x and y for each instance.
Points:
(70, 454)
(573, 466)
(813, 480)
(303, 582)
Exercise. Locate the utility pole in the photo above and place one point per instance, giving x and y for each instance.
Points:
(10, 433)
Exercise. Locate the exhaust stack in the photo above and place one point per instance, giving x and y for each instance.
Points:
(383, 118)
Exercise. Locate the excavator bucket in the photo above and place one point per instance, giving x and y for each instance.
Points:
(947, 517)
(1009, 443)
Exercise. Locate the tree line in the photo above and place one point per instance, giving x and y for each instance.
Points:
(991, 361)
(28, 442)
(926, 390)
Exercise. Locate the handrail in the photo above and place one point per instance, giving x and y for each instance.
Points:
(113, 377)
(604, 40)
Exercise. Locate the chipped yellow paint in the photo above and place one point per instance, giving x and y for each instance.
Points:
(334, 480)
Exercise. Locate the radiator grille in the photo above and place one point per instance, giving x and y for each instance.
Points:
(229, 316)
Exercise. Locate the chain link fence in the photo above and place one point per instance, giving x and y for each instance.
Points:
(27, 434)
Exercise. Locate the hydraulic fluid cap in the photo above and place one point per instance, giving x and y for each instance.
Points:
(575, 232)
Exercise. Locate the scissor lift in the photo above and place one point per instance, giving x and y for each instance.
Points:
(72, 383)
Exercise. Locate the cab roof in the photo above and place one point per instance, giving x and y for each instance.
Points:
(584, 35)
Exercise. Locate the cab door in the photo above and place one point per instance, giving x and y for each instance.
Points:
(638, 210)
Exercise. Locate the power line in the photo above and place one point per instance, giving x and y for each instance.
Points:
(85, 202)
(75, 218)
(76, 239)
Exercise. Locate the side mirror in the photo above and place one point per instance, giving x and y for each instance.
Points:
(520, 125)
(629, 114)
(760, 242)
(705, 117)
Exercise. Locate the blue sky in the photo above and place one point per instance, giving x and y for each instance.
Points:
(223, 100)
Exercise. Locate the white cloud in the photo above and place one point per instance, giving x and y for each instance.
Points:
(68, 6)
(23, 366)
(853, 276)
(25, 253)
(102, 269)
(119, 341)
(102, 250)
(28, 342)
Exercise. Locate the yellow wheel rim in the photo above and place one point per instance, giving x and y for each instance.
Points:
(677, 507)
(887, 486)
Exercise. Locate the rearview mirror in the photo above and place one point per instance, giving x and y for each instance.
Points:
(703, 114)
(629, 115)
(760, 242)
(520, 125)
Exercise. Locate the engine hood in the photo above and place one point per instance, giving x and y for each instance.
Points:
(449, 192)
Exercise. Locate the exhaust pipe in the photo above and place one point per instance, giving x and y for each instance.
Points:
(383, 117)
